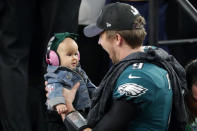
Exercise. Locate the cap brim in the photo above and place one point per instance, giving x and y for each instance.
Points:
(92, 30)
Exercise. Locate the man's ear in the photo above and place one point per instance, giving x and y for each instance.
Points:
(118, 39)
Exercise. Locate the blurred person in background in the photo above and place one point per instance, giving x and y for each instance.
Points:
(191, 97)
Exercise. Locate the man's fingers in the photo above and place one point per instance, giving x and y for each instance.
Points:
(69, 96)
(75, 87)
(87, 129)
(73, 90)
(46, 89)
(47, 94)
(45, 83)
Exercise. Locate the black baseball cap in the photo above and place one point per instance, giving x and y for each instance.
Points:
(115, 16)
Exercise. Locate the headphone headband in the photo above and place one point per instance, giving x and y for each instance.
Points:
(59, 37)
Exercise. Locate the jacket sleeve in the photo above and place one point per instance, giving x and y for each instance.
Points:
(55, 95)
(56, 82)
(118, 117)
(91, 88)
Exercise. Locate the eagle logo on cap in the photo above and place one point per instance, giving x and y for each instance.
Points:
(50, 42)
(134, 10)
(108, 25)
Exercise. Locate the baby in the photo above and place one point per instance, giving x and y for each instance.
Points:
(64, 71)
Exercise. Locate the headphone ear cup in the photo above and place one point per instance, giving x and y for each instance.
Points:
(48, 61)
(52, 58)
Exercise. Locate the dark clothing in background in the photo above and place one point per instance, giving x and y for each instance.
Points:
(94, 60)
(25, 28)
(55, 122)
(181, 27)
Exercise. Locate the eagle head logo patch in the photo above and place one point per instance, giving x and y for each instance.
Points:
(131, 89)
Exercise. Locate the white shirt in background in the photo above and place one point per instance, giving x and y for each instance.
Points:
(89, 11)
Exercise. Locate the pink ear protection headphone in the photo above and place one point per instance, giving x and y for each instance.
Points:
(52, 58)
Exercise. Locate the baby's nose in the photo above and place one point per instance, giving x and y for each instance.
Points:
(75, 57)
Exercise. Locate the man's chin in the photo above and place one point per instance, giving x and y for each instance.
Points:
(114, 62)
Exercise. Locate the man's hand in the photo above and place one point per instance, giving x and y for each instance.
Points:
(46, 89)
(69, 96)
(87, 129)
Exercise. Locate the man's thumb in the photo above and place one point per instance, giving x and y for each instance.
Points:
(76, 86)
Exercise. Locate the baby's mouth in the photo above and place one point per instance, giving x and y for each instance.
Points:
(74, 64)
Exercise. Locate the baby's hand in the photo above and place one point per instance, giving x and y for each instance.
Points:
(61, 108)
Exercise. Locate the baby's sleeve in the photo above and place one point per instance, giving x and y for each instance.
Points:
(55, 95)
